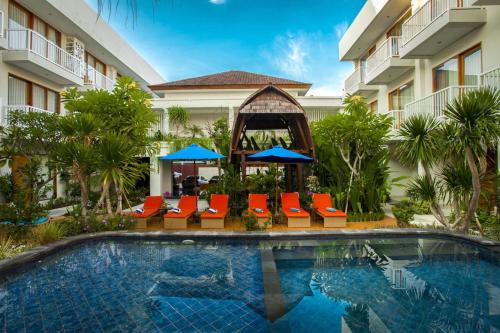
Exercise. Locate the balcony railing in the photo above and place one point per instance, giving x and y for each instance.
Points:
(97, 79)
(161, 124)
(398, 117)
(388, 49)
(357, 77)
(25, 108)
(491, 78)
(428, 13)
(26, 39)
(436, 103)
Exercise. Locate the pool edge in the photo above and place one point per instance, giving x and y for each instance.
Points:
(40, 252)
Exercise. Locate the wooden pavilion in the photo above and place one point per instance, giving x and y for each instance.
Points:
(271, 108)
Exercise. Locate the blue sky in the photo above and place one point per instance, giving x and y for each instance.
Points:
(296, 39)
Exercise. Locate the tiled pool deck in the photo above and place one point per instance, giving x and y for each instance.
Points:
(235, 224)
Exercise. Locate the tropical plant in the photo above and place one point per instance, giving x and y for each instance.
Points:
(47, 232)
(178, 117)
(194, 131)
(352, 156)
(460, 143)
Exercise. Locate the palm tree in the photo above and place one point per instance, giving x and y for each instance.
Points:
(178, 117)
(473, 127)
(419, 142)
(77, 152)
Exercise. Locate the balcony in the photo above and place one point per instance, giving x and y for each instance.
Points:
(3, 40)
(491, 78)
(398, 117)
(355, 84)
(161, 124)
(436, 103)
(96, 80)
(25, 108)
(385, 65)
(437, 24)
(40, 56)
(485, 2)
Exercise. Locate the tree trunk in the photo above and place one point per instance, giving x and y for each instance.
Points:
(119, 198)
(84, 195)
(476, 188)
(100, 202)
(109, 209)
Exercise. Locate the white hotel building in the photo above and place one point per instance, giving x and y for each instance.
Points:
(47, 46)
(414, 56)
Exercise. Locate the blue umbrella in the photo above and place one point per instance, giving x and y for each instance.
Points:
(278, 154)
(194, 153)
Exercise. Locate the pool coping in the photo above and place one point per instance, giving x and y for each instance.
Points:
(40, 252)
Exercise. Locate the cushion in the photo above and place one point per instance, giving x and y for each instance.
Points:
(220, 214)
(146, 213)
(326, 213)
(300, 213)
(182, 214)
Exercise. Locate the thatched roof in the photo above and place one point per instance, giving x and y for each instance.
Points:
(230, 80)
(271, 108)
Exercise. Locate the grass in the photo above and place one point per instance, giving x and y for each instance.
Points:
(47, 232)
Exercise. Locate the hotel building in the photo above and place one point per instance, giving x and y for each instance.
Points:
(414, 57)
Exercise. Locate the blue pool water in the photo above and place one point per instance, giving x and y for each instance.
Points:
(376, 285)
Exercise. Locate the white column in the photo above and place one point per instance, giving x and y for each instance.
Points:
(230, 118)
(166, 122)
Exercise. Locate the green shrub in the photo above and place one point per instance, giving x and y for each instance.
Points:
(9, 248)
(47, 232)
(251, 222)
(405, 210)
(490, 224)
(77, 224)
(362, 217)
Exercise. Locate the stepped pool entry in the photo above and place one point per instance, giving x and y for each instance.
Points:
(348, 285)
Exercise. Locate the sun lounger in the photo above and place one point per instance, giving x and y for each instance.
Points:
(290, 207)
(332, 218)
(151, 207)
(257, 204)
(213, 218)
(188, 205)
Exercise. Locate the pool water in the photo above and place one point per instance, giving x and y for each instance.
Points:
(372, 285)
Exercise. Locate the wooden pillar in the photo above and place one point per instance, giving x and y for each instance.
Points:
(288, 171)
(243, 167)
(300, 177)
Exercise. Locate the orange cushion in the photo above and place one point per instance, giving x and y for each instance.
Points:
(265, 213)
(220, 214)
(290, 200)
(182, 214)
(301, 213)
(146, 213)
(324, 212)
(188, 202)
(219, 201)
(322, 200)
(257, 201)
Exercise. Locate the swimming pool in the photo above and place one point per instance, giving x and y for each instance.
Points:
(349, 285)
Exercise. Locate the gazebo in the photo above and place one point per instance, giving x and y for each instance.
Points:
(271, 108)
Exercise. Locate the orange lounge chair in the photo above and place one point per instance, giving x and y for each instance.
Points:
(219, 202)
(188, 204)
(151, 207)
(300, 219)
(260, 201)
(322, 201)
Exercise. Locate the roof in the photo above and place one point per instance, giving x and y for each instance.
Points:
(270, 99)
(230, 80)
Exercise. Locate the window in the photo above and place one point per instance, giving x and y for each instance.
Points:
(461, 70)
(20, 18)
(95, 63)
(374, 106)
(23, 92)
(401, 96)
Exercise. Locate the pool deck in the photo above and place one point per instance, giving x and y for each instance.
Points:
(235, 224)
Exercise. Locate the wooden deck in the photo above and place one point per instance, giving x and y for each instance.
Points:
(235, 224)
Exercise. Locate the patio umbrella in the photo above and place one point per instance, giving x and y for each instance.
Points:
(194, 153)
(277, 155)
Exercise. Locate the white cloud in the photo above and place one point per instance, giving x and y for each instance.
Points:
(340, 29)
(217, 2)
(291, 55)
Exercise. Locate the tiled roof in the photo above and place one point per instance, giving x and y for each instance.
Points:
(229, 80)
